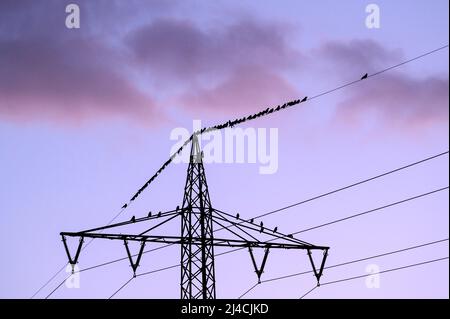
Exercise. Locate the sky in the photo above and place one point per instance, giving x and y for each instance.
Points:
(86, 116)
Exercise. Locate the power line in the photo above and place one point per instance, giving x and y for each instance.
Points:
(385, 271)
(347, 263)
(358, 260)
(248, 290)
(309, 291)
(352, 185)
(372, 210)
(121, 287)
(65, 265)
(355, 215)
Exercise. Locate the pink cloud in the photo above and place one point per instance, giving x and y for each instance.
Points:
(248, 88)
(397, 101)
(51, 73)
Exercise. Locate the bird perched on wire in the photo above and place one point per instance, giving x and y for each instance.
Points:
(124, 206)
(133, 219)
(304, 99)
(149, 214)
(275, 229)
(237, 216)
(261, 224)
(252, 220)
(159, 214)
(364, 76)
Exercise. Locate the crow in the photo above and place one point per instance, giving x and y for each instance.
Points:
(304, 99)
(133, 219)
(364, 76)
(237, 216)
(275, 229)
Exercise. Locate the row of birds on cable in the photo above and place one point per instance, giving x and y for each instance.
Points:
(219, 127)
(212, 128)
(261, 224)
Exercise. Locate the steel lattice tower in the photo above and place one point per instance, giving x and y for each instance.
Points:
(197, 258)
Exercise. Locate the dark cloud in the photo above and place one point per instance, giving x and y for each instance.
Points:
(250, 88)
(50, 72)
(180, 50)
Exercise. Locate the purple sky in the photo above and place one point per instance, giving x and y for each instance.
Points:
(86, 115)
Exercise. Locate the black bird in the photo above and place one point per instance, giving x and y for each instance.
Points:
(159, 214)
(237, 216)
(290, 236)
(304, 99)
(261, 230)
(261, 224)
(251, 220)
(364, 76)
(133, 219)
(178, 208)
(275, 229)
(124, 206)
(149, 214)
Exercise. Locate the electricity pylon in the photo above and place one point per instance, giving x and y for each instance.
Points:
(197, 239)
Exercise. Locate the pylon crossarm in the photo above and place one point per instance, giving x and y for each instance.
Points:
(264, 230)
(229, 230)
(73, 261)
(221, 242)
(160, 224)
(135, 220)
(318, 273)
(219, 216)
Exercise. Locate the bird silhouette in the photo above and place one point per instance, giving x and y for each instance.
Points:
(159, 214)
(124, 206)
(251, 220)
(178, 208)
(149, 214)
(261, 224)
(304, 99)
(364, 76)
(261, 230)
(133, 219)
(290, 235)
(275, 229)
(237, 216)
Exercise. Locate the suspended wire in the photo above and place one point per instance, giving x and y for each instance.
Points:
(352, 185)
(121, 287)
(65, 265)
(385, 271)
(356, 215)
(380, 272)
(372, 210)
(350, 262)
(358, 260)
(309, 291)
(248, 290)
